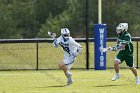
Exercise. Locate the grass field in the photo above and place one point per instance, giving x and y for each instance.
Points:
(23, 56)
(54, 81)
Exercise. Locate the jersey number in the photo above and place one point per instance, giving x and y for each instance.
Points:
(65, 48)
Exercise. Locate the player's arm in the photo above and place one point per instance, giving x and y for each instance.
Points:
(126, 40)
(53, 36)
(121, 45)
(56, 42)
(117, 47)
(113, 48)
(79, 47)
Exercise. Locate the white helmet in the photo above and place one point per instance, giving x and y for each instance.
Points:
(65, 33)
(122, 27)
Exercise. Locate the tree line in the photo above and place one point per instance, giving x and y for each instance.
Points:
(33, 18)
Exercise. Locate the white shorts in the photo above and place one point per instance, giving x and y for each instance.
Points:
(69, 62)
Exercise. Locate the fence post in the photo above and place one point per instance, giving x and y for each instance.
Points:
(137, 55)
(87, 35)
(37, 55)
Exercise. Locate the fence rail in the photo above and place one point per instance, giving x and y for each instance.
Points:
(50, 40)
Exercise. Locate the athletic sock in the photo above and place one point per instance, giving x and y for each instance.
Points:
(117, 74)
(137, 78)
(67, 72)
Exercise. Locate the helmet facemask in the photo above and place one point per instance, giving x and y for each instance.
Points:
(65, 33)
(66, 36)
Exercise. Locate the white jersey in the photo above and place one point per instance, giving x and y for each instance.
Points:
(70, 46)
(71, 49)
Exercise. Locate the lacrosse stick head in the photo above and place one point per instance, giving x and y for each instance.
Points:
(103, 49)
(53, 35)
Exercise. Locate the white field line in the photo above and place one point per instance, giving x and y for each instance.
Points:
(4, 74)
(77, 90)
(27, 73)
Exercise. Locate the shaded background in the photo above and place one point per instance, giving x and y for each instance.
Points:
(33, 18)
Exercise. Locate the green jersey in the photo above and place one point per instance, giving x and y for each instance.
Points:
(125, 38)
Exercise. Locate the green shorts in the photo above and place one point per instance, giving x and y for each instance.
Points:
(129, 59)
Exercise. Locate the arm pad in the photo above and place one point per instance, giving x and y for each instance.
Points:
(55, 43)
(117, 47)
(78, 50)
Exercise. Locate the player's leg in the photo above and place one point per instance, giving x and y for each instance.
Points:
(65, 66)
(69, 75)
(134, 70)
(130, 62)
(117, 61)
(116, 67)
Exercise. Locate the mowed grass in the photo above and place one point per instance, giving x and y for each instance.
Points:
(23, 56)
(54, 81)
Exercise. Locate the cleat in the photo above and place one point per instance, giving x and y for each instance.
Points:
(137, 81)
(69, 81)
(117, 76)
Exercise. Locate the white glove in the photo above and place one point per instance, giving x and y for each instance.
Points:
(110, 49)
(73, 55)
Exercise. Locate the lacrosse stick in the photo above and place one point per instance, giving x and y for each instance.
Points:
(103, 49)
(106, 49)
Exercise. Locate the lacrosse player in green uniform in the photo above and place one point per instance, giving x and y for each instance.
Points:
(125, 47)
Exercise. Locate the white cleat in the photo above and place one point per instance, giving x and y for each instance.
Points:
(69, 81)
(137, 81)
(117, 76)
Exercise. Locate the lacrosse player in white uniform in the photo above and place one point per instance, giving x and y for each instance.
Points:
(71, 50)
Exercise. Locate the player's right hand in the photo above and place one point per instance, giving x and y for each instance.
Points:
(110, 49)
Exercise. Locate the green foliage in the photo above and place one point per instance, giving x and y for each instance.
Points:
(54, 24)
(71, 18)
(33, 18)
(7, 24)
(121, 11)
(46, 7)
(18, 20)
